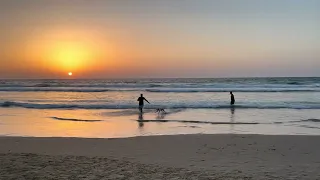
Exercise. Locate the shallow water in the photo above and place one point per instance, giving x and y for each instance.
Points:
(107, 108)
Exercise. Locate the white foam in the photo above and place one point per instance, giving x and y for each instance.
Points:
(249, 105)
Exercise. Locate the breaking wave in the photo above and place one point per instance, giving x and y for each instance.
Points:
(300, 121)
(194, 90)
(198, 122)
(310, 120)
(8, 104)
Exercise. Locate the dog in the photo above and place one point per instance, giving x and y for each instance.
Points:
(160, 110)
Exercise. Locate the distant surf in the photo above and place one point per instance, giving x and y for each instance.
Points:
(198, 122)
(195, 105)
(311, 84)
(308, 120)
(161, 90)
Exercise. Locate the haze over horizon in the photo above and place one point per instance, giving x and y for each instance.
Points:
(43, 39)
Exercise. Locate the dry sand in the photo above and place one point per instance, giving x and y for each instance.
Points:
(162, 157)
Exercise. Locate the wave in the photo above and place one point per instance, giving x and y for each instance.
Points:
(311, 127)
(64, 106)
(195, 90)
(70, 119)
(273, 82)
(198, 122)
(115, 85)
(309, 120)
(27, 89)
(299, 121)
(8, 104)
(156, 90)
(130, 112)
(295, 83)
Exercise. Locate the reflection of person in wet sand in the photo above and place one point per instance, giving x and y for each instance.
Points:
(160, 116)
(232, 109)
(161, 113)
(140, 120)
(141, 100)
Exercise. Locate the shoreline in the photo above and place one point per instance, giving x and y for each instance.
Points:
(215, 156)
(154, 135)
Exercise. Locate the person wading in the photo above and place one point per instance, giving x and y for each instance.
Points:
(232, 98)
(141, 100)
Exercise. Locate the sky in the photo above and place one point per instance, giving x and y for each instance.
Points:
(159, 39)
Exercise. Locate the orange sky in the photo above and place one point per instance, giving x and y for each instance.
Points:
(107, 39)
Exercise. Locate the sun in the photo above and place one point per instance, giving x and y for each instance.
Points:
(70, 73)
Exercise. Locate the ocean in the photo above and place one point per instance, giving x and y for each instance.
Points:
(109, 108)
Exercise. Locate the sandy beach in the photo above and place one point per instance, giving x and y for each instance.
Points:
(162, 157)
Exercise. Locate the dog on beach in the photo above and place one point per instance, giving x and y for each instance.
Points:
(160, 110)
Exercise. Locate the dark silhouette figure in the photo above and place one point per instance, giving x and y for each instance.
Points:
(141, 100)
(232, 98)
(160, 110)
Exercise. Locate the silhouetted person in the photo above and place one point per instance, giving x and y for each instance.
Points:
(232, 98)
(141, 100)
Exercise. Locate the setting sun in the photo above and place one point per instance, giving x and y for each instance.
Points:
(70, 55)
(66, 50)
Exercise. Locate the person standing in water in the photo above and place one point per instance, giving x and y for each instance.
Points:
(141, 100)
(232, 98)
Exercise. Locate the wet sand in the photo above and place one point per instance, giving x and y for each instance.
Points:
(162, 157)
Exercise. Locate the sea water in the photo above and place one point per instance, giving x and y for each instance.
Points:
(109, 108)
